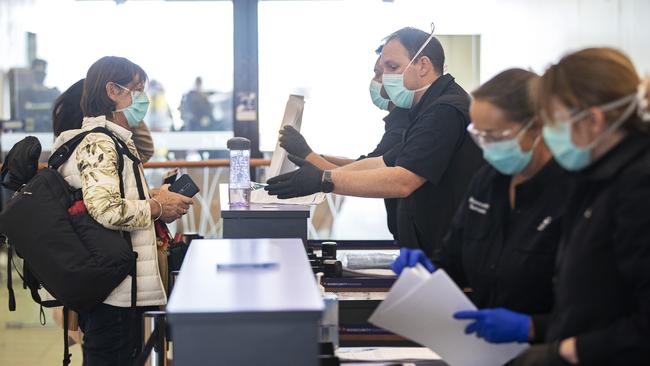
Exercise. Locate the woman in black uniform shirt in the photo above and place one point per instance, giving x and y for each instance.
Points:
(597, 124)
(504, 237)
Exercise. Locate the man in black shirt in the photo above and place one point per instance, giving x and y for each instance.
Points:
(437, 149)
(395, 124)
(430, 169)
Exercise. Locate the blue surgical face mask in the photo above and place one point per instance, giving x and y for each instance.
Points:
(394, 84)
(135, 112)
(507, 156)
(398, 93)
(375, 95)
(559, 140)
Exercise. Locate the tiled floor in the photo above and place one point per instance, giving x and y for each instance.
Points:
(23, 340)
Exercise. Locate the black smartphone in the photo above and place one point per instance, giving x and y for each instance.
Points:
(170, 176)
(184, 185)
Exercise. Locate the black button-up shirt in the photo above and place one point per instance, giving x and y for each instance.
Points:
(506, 254)
(396, 123)
(602, 290)
(436, 147)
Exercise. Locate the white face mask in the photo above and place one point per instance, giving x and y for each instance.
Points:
(394, 83)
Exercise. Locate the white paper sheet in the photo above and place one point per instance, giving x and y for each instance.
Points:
(424, 314)
(407, 282)
(385, 354)
(280, 164)
(262, 196)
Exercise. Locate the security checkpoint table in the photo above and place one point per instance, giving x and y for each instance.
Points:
(245, 302)
(262, 220)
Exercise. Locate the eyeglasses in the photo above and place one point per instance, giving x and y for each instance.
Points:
(139, 88)
(487, 137)
(575, 114)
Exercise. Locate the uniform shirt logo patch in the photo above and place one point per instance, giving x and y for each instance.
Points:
(588, 213)
(478, 206)
(545, 223)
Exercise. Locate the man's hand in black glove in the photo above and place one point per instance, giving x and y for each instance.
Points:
(302, 182)
(292, 141)
(540, 355)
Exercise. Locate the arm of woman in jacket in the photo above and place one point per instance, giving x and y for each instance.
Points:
(97, 163)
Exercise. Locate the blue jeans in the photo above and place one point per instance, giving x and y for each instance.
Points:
(109, 333)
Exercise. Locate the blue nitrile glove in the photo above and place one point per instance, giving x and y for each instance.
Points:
(497, 325)
(410, 258)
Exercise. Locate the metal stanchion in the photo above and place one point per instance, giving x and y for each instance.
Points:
(172, 280)
(155, 321)
(2, 160)
(173, 275)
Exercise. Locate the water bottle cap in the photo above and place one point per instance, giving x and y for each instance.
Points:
(239, 143)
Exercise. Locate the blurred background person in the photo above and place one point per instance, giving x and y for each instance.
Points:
(196, 109)
(35, 101)
(159, 118)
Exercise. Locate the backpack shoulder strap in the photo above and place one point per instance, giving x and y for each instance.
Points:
(10, 288)
(29, 281)
(122, 150)
(66, 345)
(63, 153)
(4, 170)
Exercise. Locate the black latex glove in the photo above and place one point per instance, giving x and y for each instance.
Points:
(292, 141)
(540, 355)
(306, 180)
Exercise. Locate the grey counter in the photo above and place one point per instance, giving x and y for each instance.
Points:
(262, 220)
(245, 316)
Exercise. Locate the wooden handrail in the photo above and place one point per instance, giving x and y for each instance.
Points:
(212, 163)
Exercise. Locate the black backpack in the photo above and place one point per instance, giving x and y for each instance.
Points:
(77, 260)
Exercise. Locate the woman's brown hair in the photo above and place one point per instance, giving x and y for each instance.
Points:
(66, 112)
(95, 101)
(509, 92)
(589, 78)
